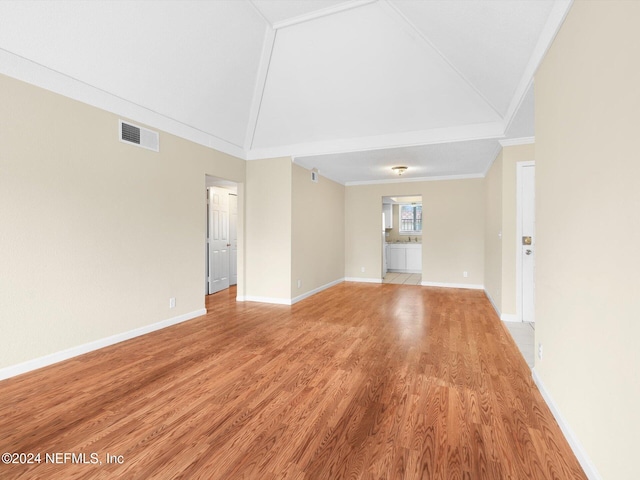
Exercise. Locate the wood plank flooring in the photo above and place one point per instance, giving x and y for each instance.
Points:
(358, 381)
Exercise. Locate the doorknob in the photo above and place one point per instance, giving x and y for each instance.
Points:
(228, 244)
(528, 252)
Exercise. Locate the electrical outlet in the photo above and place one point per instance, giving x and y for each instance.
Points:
(465, 274)
(172, 302)
(299, 283)
(540, 351)
(362, 269)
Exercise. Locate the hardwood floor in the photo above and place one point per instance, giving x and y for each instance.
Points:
(358, 381)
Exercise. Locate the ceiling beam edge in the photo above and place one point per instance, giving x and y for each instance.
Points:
(482, 131)
(394, 12)
(260, 85)
(466, 176)
(550, 30)
(325, 12)
(260, 14)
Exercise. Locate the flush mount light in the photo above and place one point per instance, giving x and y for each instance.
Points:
(399, 170)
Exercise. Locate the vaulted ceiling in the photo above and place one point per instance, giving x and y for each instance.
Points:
(350, 87)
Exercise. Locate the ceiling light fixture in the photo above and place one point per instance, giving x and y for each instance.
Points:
(399, 170)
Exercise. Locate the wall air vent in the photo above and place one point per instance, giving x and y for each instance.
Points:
(139, 136)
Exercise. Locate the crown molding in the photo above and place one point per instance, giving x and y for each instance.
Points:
(551, 28)
(480, 131)
(416, 179)
(36, 74)
(511, 142)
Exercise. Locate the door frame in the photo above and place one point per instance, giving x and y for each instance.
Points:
(519, 199)
(231, 185)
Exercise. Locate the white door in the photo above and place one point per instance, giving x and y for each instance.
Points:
(528, 243)
(233, 239)
(218, 239)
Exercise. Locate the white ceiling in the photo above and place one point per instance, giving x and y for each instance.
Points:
(349, 87)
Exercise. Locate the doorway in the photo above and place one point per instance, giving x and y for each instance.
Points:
(221, 251)
(526, 241)
(402, 239)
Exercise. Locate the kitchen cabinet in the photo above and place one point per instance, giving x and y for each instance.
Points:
(397, 258)
(405, 257)
(414, 258)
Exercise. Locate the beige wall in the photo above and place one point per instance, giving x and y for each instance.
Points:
(500, 227)
(453, 229)
(588, 230)
(493, 232)
(317, 256)
(95, 235)
(268, 229)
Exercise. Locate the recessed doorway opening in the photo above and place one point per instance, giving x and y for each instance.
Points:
(221, 252)
(402, 230)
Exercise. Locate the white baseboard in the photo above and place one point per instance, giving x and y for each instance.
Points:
(505, 317)
(495, 307)
(316, 290)
(453, 285)
(52, 358)
(273, 300)
(363, 280)
(578, 450)
(404, 271)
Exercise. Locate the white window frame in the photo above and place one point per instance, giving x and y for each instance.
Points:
(406, 232)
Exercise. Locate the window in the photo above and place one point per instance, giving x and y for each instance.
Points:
(411, 219)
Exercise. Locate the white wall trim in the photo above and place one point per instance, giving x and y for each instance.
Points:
(578, 450)
(510, 317)
(363, 280)
(316, 290)
(324, 12)
(551, 28)
(512, 142)
(480, 131)
(31, 72)
(470, 286)
(273, 300)
(415, 179)
(495, 307)
(56, 357)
